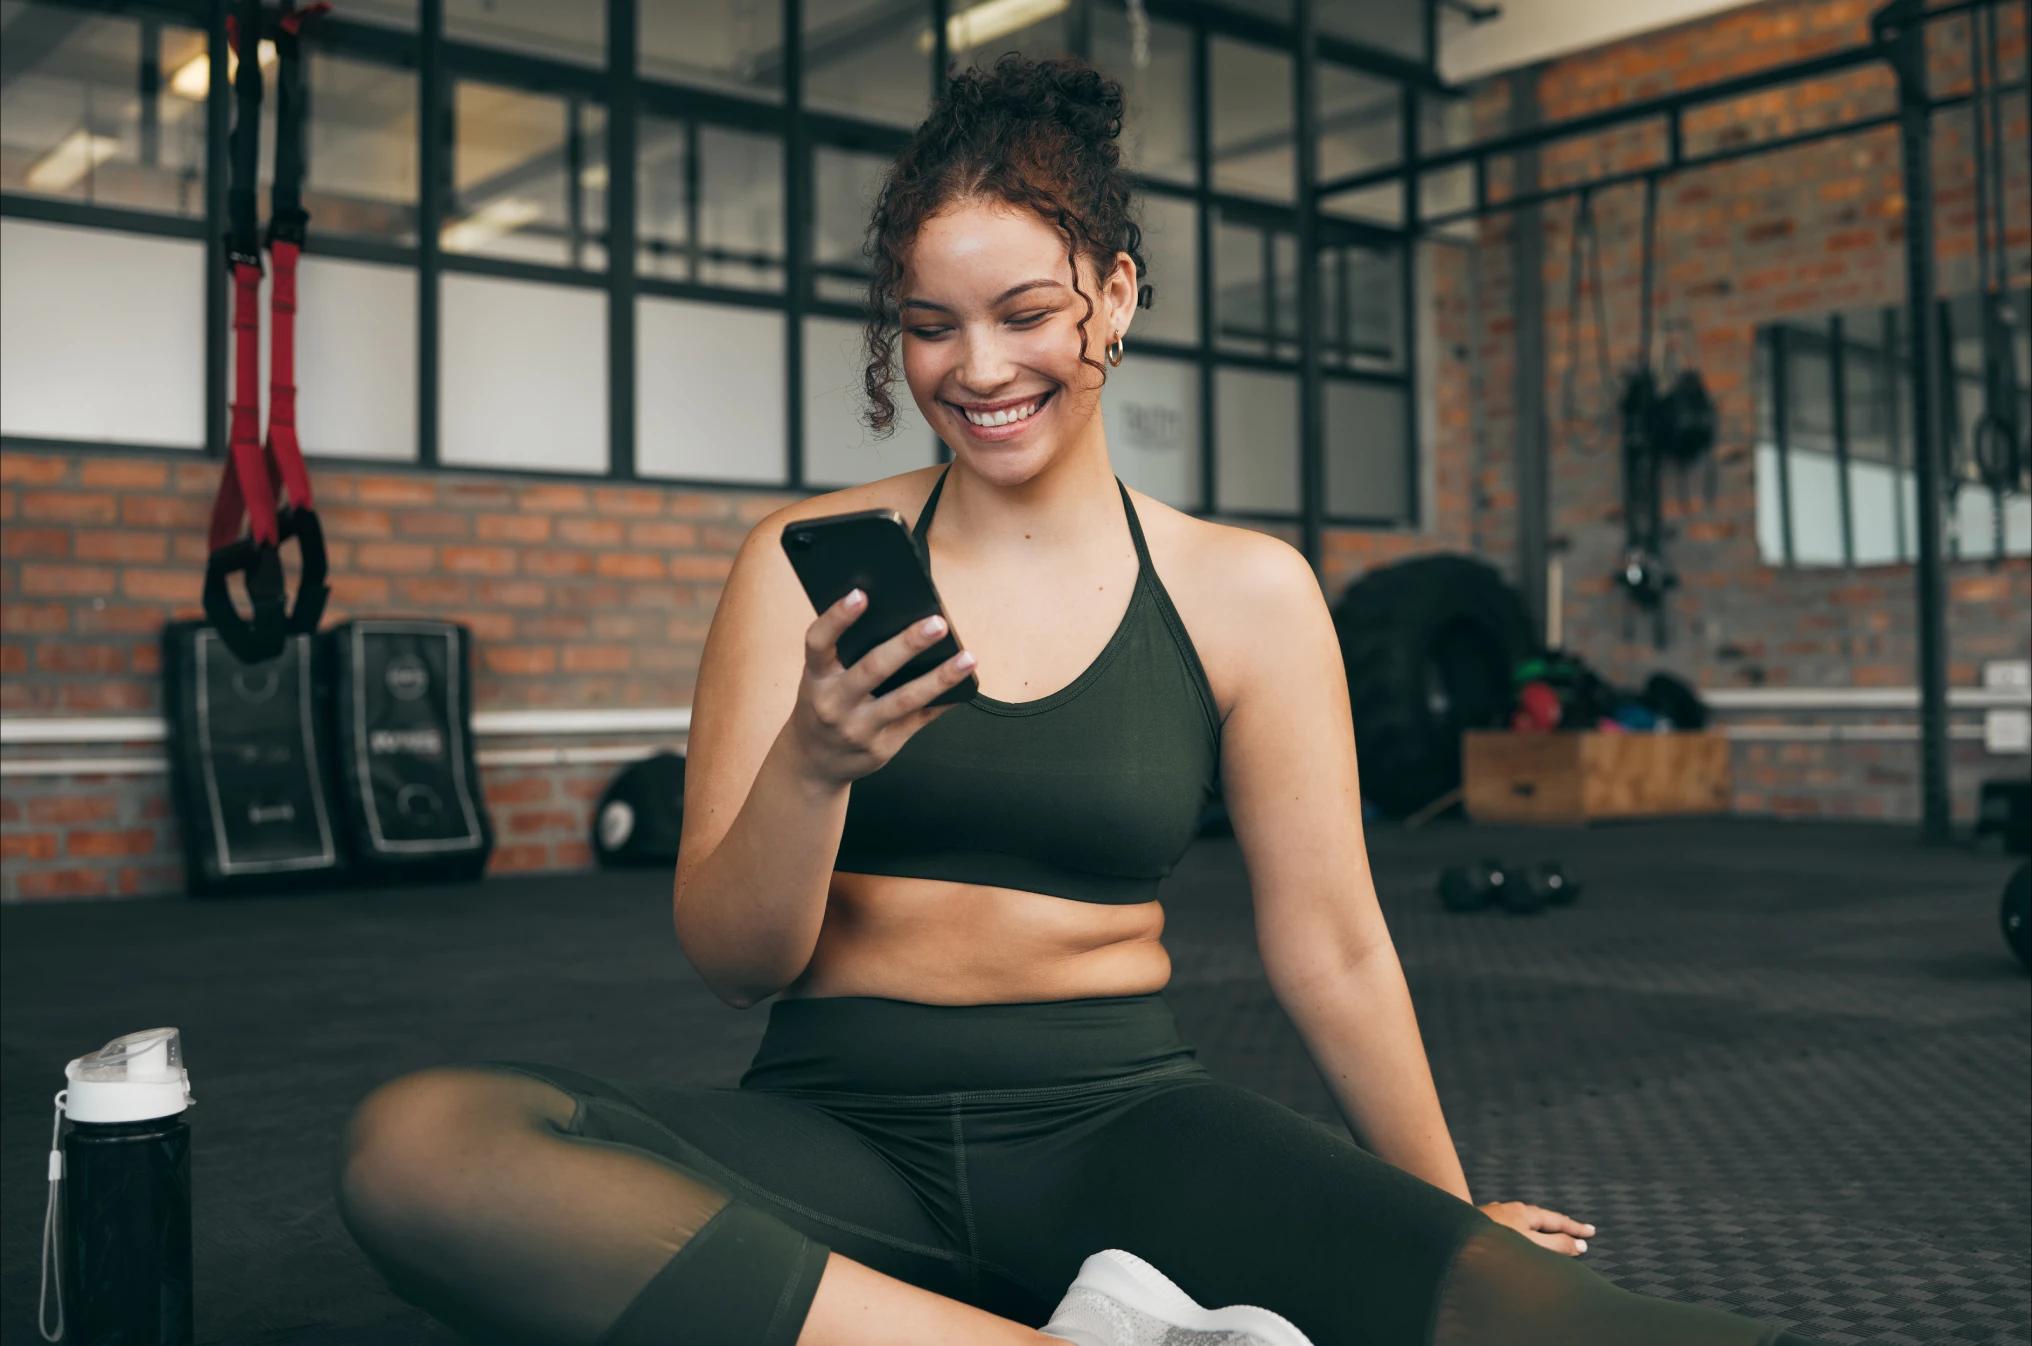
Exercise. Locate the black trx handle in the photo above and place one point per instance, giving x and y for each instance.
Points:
(274, 621)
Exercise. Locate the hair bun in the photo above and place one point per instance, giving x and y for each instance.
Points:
(1071, 93)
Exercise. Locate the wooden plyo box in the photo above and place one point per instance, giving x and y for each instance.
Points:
(1580, 776)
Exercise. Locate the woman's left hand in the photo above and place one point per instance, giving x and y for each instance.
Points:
(1547, 1228)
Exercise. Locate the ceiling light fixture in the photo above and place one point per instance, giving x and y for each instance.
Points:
(193, 79)
(74, 156)
(489, 222)
(978, 25)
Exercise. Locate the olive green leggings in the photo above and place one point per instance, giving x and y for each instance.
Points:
(979, 1151)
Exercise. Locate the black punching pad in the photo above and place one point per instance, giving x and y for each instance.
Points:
(402, 729)
(249, 764)
(641, 815)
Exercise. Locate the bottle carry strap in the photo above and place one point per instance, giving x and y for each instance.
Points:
(49, 1219)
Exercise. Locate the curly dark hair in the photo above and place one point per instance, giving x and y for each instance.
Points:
(1037, 134)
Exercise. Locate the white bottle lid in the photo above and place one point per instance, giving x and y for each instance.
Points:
(131, 1079)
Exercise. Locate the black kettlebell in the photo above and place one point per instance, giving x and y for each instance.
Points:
(1551, 883)
(1472, 887)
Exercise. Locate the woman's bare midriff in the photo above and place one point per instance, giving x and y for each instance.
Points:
(944, 943)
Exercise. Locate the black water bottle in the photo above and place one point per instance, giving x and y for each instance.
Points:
(124, 1242)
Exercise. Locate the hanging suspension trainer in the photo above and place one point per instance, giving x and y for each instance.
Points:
(255, 468)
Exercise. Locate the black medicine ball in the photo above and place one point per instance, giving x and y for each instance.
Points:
(641, 815)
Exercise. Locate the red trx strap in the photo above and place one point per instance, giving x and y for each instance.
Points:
(254, 471)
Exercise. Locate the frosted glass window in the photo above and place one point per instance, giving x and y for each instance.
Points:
(709, 399)
(839, 449)
(355, 359)
(1252, 133)
(102, 335)
(1171, 249)
(1770, 522)
(1255, 441)
(1150, 412)
(73, 124)
(722, 44)
(529, 177)
(1873, 503)
(1816, 509)
(523, 375)
(869, 58)
(1157, 121)
(1367, 453)
(845, 184)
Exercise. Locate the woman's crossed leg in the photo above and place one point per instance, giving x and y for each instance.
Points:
(533, 1204)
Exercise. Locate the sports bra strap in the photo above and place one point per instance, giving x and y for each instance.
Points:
(922, 530)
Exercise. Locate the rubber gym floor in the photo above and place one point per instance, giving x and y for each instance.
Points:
(1785, 1067)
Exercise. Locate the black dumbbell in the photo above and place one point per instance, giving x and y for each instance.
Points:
(1552, 884)
(1472, 887)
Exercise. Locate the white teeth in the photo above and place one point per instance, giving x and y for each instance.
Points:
(1007, 417)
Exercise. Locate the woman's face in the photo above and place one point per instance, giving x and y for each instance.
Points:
(990, 332)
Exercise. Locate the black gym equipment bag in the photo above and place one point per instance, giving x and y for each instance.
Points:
(641, 816)
(249, 763)
(402, 729)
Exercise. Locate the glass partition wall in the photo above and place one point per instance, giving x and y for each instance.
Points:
(710, 334)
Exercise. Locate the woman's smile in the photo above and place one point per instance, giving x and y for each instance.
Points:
(1002, 420)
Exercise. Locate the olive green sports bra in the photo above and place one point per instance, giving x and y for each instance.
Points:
(1092, 793)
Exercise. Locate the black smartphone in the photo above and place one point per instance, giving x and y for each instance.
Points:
(872, 550)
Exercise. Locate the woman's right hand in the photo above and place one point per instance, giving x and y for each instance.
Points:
(842, 732)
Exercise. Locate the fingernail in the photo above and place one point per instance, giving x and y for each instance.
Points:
(855, 598)
(1591, 1229)
(1582, 1243)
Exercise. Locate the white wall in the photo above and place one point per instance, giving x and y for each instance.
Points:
(1529, 31)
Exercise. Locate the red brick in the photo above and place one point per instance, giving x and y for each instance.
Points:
(65, 810)
(165, 511)
(8, 500)
(555, 563)
(120, 619)
(164, 586)
(434, 591)
(43, 544)
(629, 500)
(520, 660)
(513, 593)
(478, 560)
(63, 883)
(83, 581)
(358, 591)
(655, 533)
(417, 490)
(514, 859)
(106, 697)
(28, 846)
(29, 469)
(406, 558)
(701, 567)
(124, 474)
(434, 523)
(106, 545)
(487, 626)
(632, 566)
(555, 499)
(70, 506)
(110, 842)
(596, 658)
(355, 523)
(524, 528)
(572, 854)
(530, 789)
(34, 619)
(145, 660)
(591, 532)
(522, 822)
(556, 626)
(75, 657)
(697, 505)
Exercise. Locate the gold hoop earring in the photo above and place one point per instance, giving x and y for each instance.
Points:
(1114, 352)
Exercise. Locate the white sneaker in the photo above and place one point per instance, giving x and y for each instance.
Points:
(1118, 1299)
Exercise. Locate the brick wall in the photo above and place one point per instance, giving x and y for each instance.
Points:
(1793, 233)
